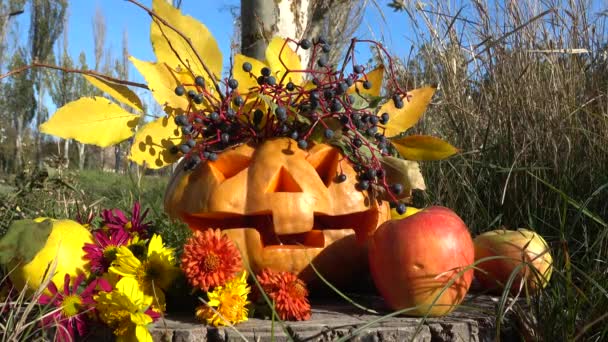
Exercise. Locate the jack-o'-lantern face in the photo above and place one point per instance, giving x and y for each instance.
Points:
(282, 206)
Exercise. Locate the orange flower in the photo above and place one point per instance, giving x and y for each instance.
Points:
(210, 259)
(288, 293)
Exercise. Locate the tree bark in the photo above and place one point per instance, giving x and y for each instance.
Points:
(66, 152)
(336, 20)
(39, 120)
(18, 163)
(257, 21)
(81, 156)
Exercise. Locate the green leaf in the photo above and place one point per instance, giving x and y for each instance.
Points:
(152, 143)
(23, 240)
(404, 172)
(318, 134)
(92, 120)
(423, 147)
(401, 119)
(119, 92)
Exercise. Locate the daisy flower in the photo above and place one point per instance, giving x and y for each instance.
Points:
(210, 258)
(227, 304)
(157, 271)
(115, 219)
(126, 310)
(74, 307)
(102, 253)
(287, 292)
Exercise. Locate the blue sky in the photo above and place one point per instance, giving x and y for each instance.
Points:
(216, 15)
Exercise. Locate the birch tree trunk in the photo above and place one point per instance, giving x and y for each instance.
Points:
(336, 20)
(81, 156)
(18, 163)
(66, 152)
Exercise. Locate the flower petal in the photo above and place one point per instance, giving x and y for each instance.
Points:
(126, 264)
(142, 334)
(140, 318)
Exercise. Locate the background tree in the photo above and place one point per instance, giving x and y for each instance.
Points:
(122, 71)
(20, 105)
(46, 25)
(8, 9)
(99, 39)
(62, 88)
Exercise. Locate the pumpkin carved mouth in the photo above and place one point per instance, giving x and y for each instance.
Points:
(282, 206)
(365, 222)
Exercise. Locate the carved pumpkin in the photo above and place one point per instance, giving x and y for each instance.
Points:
(282, 206)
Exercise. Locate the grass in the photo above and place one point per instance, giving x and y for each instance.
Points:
(523, 94)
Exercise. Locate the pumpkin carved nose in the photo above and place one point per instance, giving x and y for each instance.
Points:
(283, 181)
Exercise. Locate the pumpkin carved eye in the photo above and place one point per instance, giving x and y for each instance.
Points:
(283, 181)
(325, 163)
(282, 205)
(226, 168)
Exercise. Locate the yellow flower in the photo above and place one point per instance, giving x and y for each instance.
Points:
(157, 271)
(124, 311)
(227, 304)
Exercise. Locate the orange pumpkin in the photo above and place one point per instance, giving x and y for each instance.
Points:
(282, 206)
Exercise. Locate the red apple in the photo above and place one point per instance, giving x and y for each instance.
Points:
(413, 259)
(516, 247)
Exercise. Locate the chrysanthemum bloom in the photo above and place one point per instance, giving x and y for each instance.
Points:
(102, 253)
(74, 307)
(288, 293)
(227, 304)
(153, 274)
(115, 219)
(210, 258)
(126, 310)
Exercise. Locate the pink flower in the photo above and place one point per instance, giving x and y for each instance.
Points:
(115, 219)
(101, 253)
(74, 308)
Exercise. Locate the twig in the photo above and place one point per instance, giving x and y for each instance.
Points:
(15, 13)
(76, 71)
(183, 36)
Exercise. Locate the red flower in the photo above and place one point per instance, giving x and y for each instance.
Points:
(74, 307)
(210, 259)
(288, 293)
(115, 219)
(101, 253)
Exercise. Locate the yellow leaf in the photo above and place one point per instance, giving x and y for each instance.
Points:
(423, 147)
(413, 107)
(175, 51)
(404, 172)
(162, 83)
(375, 77)
(246, 81)
(152, 143)
(91, 120)
(281, 58)
(119, 92)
